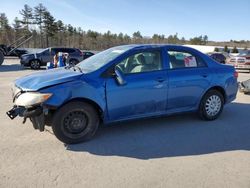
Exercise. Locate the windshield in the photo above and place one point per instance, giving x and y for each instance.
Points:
(97, 61)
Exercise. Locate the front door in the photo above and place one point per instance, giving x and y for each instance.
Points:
(145, 91)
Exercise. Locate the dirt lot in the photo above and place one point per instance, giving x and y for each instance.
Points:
(179, 151)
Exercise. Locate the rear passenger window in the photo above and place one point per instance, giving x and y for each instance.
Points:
(56, 50)
(178, 59)
(69, 50)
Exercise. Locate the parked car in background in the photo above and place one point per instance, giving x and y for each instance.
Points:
(87, 54)
(36, 60)
(241, 61)
(219, 57)
(124, 83)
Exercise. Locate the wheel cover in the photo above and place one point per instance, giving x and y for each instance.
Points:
(213, 105)
(75, 124)
(35, 64)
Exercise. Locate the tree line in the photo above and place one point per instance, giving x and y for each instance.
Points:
(47, 31)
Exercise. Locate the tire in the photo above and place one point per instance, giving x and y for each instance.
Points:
(211, 105)
(1, 57)
(35, 64)
(75, 122)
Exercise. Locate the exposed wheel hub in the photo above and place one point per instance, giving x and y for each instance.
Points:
(35, 64)
(75, 122)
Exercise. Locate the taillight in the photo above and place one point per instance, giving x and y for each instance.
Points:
(248, 57)
(236, 74)
(248, 63)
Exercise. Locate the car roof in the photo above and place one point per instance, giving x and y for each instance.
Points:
(151, 46)
(63, 47)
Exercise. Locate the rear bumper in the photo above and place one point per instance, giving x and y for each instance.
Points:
(36, 115)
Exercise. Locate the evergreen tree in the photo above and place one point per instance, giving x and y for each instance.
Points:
(5, 29)
(205, 39)
(49, 26)
(60, 28)
(17, 28)
(39, 13)
(197, 40)
(183, 40)
(4, 22)
(27, 16)
(48, 31)
(226, 49)
(235, 50)
(137, 35)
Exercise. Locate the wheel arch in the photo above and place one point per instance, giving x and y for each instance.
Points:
(219, 89)
(89, 101)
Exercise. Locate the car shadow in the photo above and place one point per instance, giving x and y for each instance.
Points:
(11, 68)
(16, 67)
(180, 135)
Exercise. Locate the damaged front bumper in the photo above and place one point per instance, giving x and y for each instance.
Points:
(35, 114)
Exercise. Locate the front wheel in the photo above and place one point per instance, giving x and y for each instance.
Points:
(35, 64)
(75, 122)
(211, 105)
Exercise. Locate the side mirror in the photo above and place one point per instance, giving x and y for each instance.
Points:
(120, 77)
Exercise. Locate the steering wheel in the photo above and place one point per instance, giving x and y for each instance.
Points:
(119, 68)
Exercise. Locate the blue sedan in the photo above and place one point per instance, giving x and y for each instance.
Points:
(123, 83)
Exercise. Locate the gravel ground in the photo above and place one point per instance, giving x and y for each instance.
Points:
(177, 151)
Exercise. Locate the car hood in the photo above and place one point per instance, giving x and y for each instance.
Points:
(36, 81)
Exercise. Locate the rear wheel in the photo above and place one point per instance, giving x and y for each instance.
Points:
(75, 122)
(211, 105)
(35, 64)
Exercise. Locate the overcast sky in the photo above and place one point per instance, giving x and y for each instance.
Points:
(219, 19)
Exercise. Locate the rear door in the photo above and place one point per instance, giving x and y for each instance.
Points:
(46, 56)
(189, 77)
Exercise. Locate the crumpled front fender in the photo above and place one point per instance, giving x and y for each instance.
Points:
(65, 92)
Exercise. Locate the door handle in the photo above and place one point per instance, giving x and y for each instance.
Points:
(160, 80)
(204, 75)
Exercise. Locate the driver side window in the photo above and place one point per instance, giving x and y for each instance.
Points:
(141, 62)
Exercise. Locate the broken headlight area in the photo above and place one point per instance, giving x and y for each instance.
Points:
(35, 114)
(29, 105)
